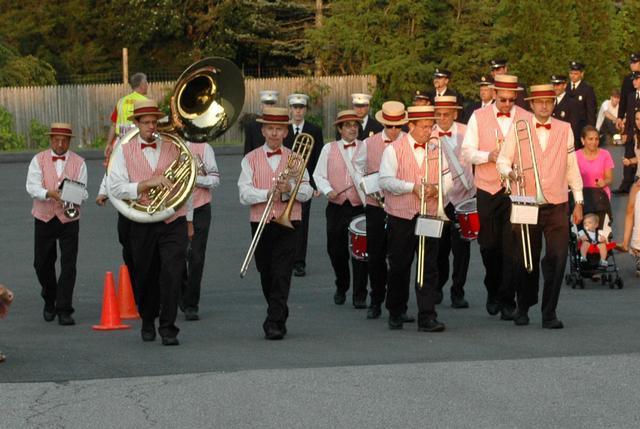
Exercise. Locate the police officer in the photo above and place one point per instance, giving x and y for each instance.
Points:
(566, 108)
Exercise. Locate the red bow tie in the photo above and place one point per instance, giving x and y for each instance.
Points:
(275, 152)
(507, 115)
(348, 145)
(388, 141)
(444, 133)
(145, 145)
(58, 158)
(417, 145)
(547, 126)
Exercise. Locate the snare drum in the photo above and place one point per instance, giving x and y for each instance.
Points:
(468, 219)
(358, 238)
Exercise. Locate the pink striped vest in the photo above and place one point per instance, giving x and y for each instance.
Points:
(339, 177)
(552, 163)
(375, 146)
(406, 206)
(139, 169)
(201, 196)
(486, 175)
(264, 178)
(458, 193)
(47, 209)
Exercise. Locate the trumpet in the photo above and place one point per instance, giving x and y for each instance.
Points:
(523, 136)
(296, 165)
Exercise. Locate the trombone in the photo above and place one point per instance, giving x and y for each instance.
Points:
(523, 136)
(296, 165)
(440, 214)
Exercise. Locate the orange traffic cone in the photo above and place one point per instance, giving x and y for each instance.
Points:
(110, 319)
(126, 303)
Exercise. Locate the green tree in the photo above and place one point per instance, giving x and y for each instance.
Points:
(27, 70)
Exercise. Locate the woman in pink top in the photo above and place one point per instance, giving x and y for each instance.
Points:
(596, 165)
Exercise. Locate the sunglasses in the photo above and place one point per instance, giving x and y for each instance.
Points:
(393, 126)
(507, 100)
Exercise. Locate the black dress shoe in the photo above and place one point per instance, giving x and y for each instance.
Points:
(48, 314)
(552, 324)
(439, 297)
(299, 271)
(459, 303)
(405, 318)
(374, 311)
(520, 318)
(493, 307)
(65, 319)
(191, 314)
(148, 335)
(273, 333)
(395, 322)
(340, 298)
(431, 326)
(506, 313)
(360, 303)
(170, 341)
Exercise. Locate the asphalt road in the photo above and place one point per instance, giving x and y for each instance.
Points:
(334, 369)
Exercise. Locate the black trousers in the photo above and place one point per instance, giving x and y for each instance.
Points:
(302, 235)
(159, 250)
(338, 219)
(496, 246)
(554, 226)
(124, 238)
(274, 259)
(628, 173)
(196, 253)
(402, 244)
(377, 252)
(57, 293)
(452, 242)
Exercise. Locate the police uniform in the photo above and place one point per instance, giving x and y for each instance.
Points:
(439, 73)
(566, 109)
(475, 105)
(585, 97)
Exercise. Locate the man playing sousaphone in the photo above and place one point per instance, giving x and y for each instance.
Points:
(262, 178)
(56, 222)
(367, 163)
(554, 169)
(158, 248)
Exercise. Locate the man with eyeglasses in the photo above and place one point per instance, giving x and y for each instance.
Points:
(158, 249)
(451, 135)
(367, 161)
(557, 166)
(336, 178)
(486, 131)
(298, 105)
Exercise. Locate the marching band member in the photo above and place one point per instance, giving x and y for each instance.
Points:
(451, 134)
(368, 125)
(402, 169)
(253, 137)
(553, 147)
(584, 95)
(486, 130)
(297, 110)
(336, 178)
(53, 226)
(198, 224)
(566, 108)
(158, 249)
(275, 251)
(367, 161)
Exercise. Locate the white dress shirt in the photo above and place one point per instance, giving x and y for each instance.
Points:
(508, 153)
(299, 126)
(34, 177)
(320, 174)
(360, 159)
(470, 151)
(212, 179)
(120, 186)
(560, 97)
(250, 195)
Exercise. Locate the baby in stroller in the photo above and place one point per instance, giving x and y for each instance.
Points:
(592, 236)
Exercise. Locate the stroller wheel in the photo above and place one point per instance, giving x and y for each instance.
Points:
(581, 283)
(619, 283)
(569, 279)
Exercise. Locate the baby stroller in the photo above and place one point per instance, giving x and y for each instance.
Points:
(595, 201)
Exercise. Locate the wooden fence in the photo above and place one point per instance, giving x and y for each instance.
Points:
(88, 107)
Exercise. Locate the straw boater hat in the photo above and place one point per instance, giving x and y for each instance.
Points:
(60, 129)
(541, 91)
(274, 115)
(392, 113)
(145, 107)
(446, 102)
(417, 113)
(506, 81)
(347, 115)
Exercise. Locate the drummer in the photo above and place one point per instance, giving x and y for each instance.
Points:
(451, 134)
(367, 163)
